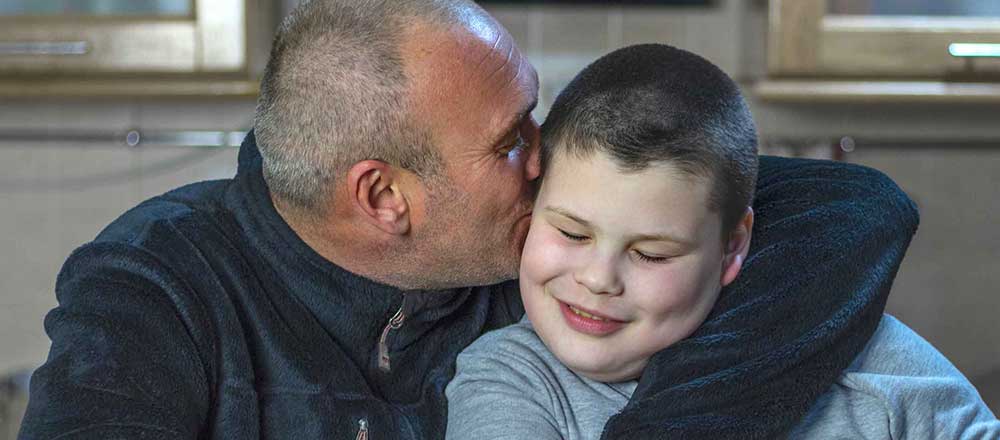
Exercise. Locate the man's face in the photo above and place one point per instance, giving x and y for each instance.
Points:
(477, 98)
(618, 266)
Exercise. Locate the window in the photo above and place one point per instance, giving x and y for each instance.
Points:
(918, 39)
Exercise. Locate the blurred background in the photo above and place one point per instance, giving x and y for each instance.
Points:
(104, 103)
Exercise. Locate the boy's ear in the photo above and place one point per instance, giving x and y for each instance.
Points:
(377, 197)
(737, 246)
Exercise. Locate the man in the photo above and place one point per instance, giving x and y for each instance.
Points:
(323, 292)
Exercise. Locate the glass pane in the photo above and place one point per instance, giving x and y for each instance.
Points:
(962, 8)
(97, 7)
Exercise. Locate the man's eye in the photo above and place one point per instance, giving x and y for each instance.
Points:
(650, 258)
(573, 237)
(518, 144)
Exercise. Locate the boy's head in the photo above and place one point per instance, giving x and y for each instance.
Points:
(650, 162)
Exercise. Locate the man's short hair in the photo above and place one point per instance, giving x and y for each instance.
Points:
(335, 93)
(651, 104)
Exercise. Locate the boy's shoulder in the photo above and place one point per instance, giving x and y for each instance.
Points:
(508, 384)
(517, 340)
(516, 354)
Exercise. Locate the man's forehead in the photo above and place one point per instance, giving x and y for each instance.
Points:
(432, 49)
(480, 51)
(473, 72)
(483, 27)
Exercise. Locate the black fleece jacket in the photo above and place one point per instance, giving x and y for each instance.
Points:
(200, 314)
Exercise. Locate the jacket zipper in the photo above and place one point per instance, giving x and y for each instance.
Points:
(383, 348)
(362, 429)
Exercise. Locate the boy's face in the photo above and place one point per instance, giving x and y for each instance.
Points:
(618, 266)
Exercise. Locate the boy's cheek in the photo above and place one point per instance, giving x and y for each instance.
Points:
(544, 257)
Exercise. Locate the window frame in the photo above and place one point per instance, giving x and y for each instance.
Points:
(212, 41)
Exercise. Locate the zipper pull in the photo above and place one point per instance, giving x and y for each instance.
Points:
(362, 429)
(383, 348)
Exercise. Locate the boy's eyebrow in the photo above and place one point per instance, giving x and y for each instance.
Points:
(567, 214)
(661, 237)
(638, 237)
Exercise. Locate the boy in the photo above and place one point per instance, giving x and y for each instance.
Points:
(642, 217)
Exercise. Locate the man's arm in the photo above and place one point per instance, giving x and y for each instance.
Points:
(827, 241)
(122, 363)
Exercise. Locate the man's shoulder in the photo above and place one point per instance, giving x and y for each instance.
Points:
(159, 240)
(196, 200)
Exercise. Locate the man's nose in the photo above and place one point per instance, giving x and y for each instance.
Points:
(533, 168)
(600, 276)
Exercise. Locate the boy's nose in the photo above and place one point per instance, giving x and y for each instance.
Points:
(600, 276)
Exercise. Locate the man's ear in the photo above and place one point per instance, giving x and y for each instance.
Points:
(376, 195)
(737, 247)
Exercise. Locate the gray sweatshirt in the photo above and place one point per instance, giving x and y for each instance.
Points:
(509, 386)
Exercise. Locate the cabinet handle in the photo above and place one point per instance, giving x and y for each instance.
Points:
(967, 50)
(44, 48)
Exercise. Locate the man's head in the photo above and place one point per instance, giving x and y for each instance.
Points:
(644, 211)
(398, 133)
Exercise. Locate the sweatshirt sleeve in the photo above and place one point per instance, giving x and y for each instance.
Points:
(122, 363)
(900, 387)
(827, 241)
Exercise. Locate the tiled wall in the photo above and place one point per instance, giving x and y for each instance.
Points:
(561, 41)
(56, 196)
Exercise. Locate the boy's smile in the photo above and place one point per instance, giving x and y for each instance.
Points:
(618, 266)
(589, 322)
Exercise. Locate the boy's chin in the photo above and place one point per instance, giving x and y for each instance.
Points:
(606, 375)
(609, 377)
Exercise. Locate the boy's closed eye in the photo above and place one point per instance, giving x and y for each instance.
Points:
(645, 256)
(650, 258)
(572, 236)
